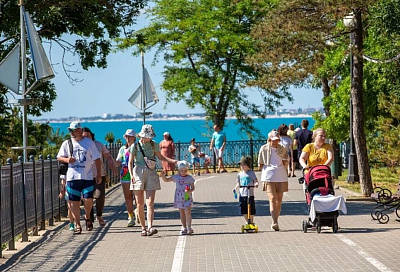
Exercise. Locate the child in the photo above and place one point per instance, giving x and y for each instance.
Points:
(246, 177)
(61, 195)
(183, 198)
(207, 162)
(194, 151)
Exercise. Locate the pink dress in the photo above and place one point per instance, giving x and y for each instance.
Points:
(181, 182)
(167, 149)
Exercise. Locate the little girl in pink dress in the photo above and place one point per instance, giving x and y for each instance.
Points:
(183, 195)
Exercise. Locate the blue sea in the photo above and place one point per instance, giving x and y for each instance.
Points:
(183, 130)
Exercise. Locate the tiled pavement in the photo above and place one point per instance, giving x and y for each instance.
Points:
(361, 244)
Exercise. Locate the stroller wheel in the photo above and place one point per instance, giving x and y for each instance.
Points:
(335, 228)
(305, 225)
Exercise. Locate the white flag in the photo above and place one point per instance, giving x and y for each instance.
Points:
(9, 70)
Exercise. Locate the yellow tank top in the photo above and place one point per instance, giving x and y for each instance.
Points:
(317, 157)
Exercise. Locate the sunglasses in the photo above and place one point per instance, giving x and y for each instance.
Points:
(72, 130)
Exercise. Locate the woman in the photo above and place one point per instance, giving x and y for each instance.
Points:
(123, 160)
(99, 192)
(287, 142)
(167, 149)
(144, 177)
(272, 160)
(317, 152)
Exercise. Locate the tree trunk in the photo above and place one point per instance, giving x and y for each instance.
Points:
(358, 108)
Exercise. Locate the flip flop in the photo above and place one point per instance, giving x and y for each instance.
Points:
(101, 222)
(78, 230)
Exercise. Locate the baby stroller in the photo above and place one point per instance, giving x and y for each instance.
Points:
(323, 206)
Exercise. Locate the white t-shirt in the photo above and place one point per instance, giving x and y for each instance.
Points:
(84, 152)
(275, 171)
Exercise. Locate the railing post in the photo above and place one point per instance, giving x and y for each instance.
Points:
(251, 153)
(35, 229)
(11, 244)
(25, 233)
(51, 220)
(178, 145)
(1, 219)
(43, 217)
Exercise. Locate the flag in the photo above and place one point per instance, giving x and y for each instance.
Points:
(151, 96)
(9, 70)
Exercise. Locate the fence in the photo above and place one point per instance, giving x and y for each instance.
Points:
(29, 190)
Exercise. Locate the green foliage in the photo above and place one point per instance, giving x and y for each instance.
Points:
(384, 146)
(110, 138)
(205, 44)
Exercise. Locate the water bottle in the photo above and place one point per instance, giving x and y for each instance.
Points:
(234, 193)
(186, 192)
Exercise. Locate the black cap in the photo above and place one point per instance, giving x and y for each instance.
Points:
(193, 140)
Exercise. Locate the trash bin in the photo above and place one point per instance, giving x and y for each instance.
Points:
(336, 167)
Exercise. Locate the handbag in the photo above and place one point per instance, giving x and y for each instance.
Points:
(63, 167)
(150, 162)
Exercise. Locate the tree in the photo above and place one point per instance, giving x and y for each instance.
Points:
(110, 138)
(294, 38)
(205, 44)
(93, 24)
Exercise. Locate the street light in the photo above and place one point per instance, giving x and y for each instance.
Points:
(352, 175)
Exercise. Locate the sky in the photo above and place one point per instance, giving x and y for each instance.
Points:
(106, 91)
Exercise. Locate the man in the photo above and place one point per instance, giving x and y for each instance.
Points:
(218, 142)
(100, 188)
(302, 137)
(79, 174)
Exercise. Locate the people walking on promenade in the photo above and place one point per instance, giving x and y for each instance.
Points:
(99, 192)
(318, 152)
(79, 174)
(63, 194)
(287, 142)
(302, 137)
(183, 199)
(194, 154)
(272, 160)
(144, 178)
(218, 142)
(167, 149)
(125, 177)
(246, 177)
(295, 158)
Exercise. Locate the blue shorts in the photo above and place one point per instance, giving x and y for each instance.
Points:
(79, 187)
(195, 160)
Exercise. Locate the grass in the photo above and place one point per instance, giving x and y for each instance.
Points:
(383, 177)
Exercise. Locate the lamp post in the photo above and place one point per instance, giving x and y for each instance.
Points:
(352, 175)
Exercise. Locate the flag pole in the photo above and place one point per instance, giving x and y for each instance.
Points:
(23, 83)
(143, 89)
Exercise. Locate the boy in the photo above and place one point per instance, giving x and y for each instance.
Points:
(194, 153)
(246, 177)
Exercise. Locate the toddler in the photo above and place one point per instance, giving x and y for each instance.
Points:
(246, 177)
(183, 195)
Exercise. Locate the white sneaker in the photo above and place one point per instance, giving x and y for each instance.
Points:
(184, 231)
(131, 222)
(275, 227)
(190, 231)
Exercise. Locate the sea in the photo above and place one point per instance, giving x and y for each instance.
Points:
(183, 130)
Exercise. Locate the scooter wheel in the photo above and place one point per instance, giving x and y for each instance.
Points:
(242, 228)
(255, 228)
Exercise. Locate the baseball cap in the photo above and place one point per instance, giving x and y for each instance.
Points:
(73, 126)
(182, 165)
(273, 135)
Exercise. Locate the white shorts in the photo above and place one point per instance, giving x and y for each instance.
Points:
(219, 152)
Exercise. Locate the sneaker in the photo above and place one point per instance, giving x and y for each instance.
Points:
(190, 231)
(71, 226)
(275, 227)
(131, 222)
(152, 231)
(183, 231)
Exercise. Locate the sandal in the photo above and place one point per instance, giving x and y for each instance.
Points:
(152, 231)
(89, 224)
(144, 232)
(101, 221)
(78, 230)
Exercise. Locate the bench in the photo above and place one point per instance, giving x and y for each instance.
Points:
(386, 203)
